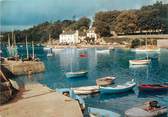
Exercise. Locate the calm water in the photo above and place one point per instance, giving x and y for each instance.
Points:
(100, 65)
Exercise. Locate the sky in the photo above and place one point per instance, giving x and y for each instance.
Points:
(21, 14)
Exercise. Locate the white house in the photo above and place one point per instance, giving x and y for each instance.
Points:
(91, 33)
(70, 37)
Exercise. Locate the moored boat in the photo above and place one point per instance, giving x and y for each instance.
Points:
(139, 62)
(86, 90)
(96, 112)
(76, 74)
(153, 87)
(83, 55)
(118, 88)
(70, 93)
(149, 109)
(142, 50)
(105, 81)
(103, 51)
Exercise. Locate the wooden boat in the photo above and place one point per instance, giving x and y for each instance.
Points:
(96, 112)
(103, 51)
(105, 81)
(149, 109)
(119, 88)
(86, 90)
(139, 62)
(76, 74)
(70, 93)
(153, 87)
(83, 55)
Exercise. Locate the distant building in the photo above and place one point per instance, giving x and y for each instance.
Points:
(91, 33)
(70, 37)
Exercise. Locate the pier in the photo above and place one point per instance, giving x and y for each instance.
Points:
(36, 100)
(24, 67)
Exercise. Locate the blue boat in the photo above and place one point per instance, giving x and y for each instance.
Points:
(118, 88)
(95, 112)
(70, 93)
(76, 74)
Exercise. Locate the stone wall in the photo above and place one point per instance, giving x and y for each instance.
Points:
(23, 68)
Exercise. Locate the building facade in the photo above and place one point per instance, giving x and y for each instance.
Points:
(70, 37)
(91, 33)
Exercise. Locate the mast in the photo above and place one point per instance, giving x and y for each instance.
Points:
(49, 36)
(27, 48)
(12, 38)
(146, 47)
(9, 45)
(33, 49)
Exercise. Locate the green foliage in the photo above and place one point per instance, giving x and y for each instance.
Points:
(40, 33)
(126, 22)
(148, 18)
(105, 21)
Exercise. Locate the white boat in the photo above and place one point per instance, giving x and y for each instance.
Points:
(76, 74)
(118, 88)
(46, 48)
(139, 62)
(142, 61)
(142, 50)
(105, 81)
(57, 49)
(147, 110)
(103, 51)
(50, 53)
(96, 112)
(86, 90)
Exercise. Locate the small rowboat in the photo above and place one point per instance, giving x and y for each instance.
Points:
(149, 109)
(86, 90)
(76, 74)
(153, 87)
(105, 81)
(119, 88)
(139, 62)
(96, 112)
(83, 55)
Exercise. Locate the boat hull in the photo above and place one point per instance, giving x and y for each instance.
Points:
(96, 112)
(139, 62)
(118, 89)
(153, 88)
(86, 90)
(75, 74)
(146, 50)
(105, 81)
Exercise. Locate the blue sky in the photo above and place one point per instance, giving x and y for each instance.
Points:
(25, 13)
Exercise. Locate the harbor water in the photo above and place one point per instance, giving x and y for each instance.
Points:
(115, 63)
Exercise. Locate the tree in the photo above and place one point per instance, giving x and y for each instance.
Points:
(106, 20)
(126, 22)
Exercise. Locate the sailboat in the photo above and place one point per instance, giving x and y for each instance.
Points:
(140, 61)
(75, 74)
(148, 48)
(48, 46)
(50, 52)
(12, 48)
